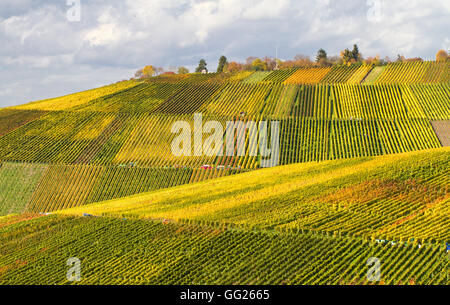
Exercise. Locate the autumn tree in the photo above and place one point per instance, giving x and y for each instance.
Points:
(412, 59)
(335, 60)
(139, 73)
(441, 55)
(233, 67)
(149, 71)
(270, 63)
(298, 62)
(347, 56)
(400, 58)
(373, 60)
(259, 65)
(303, 61)
(222, 63)
(183, 70)
(250, 60)
(201, 66)
(248, 63)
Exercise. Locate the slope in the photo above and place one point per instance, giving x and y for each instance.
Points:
(117, 251)
(398, 197)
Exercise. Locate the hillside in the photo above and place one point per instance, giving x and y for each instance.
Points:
(93, 137)
(263, 227)
(362, 171)
(116, 251)
(401, 196)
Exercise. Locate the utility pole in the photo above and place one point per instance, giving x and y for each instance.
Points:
(276, 57)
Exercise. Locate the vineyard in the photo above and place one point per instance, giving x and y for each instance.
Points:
(362, 172)
(134, 252)
(398, 196)
(327, 121)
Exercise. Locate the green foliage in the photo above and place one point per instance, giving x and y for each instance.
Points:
(259, 65)
(255, 77)
(18, 181)
(113, 143)
(355, 53)
(222, 63)
(201, 66)
(321, 56)
(279, 76)
(116, 251)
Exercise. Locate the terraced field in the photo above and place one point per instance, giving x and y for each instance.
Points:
(395, 118)
(265, 227)
(76, 99)
(400, 196)
(416, 72)
(361, 172)
(142, 252)
(42, 188)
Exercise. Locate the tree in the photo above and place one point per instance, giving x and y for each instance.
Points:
(234, 67)
(400, 58)
(355, 53)
(386, 60)
(201, 66)
(321, 55)
(298, 61)
(183, 70)
(222, 63)
(335, 60)
(259, 65)
(278, 63)
(138, 73)
(270, 63)
(148, 71)
(248, 63)
(250, 60)
(414, 59)
(302, 61)
(373, 60)
(441, 55)
(347, 56)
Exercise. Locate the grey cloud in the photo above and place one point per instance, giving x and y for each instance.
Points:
(116, 37)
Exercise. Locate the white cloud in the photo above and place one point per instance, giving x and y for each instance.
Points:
(115, 37)
(266, 9)
(446, 44)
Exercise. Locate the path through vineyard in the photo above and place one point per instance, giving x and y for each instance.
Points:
(442, 130)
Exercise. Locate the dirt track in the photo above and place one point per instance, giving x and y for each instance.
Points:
(442, 130)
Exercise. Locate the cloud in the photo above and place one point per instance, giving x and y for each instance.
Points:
(46, 54)
(266, 9)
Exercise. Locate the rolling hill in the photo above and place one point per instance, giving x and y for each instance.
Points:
(362, 172)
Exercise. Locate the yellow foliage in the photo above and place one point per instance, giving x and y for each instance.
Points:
(76, 99)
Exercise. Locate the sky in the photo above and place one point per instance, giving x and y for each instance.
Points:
(50, 48)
